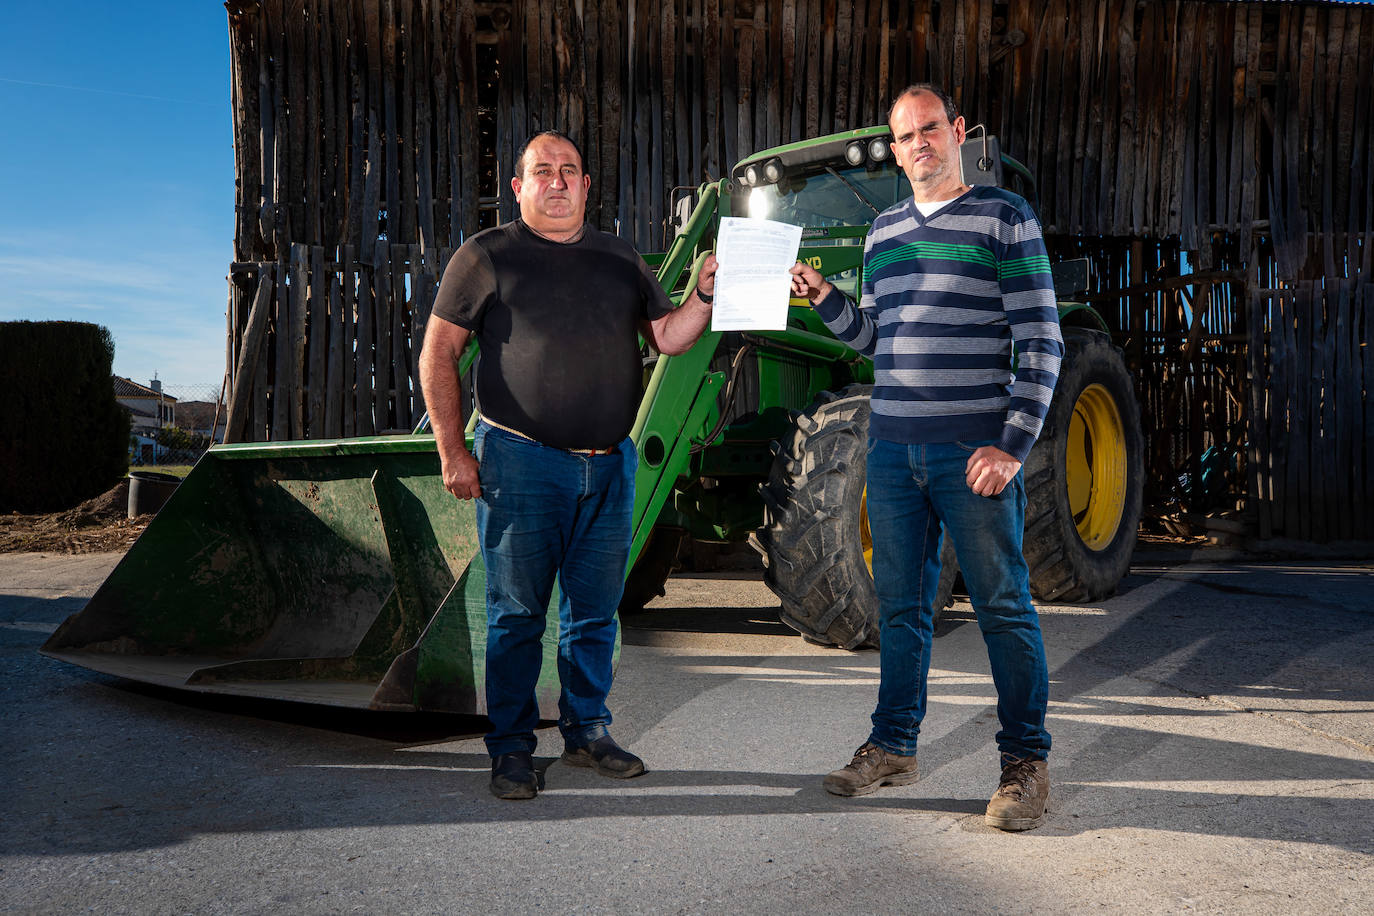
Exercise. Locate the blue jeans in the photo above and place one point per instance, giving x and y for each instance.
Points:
(545, 513)
(912, 490)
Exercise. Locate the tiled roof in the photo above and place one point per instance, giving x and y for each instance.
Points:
(126, 388)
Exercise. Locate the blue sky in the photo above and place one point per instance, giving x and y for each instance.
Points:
(117, 177)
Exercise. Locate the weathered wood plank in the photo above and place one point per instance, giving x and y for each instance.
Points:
(422, 289)
(729, 90)
(787, 125)
(953, 56)
(246, 51)
(345, 35)
(589, 130)
(1191, 221)
(1343, 398)
(744, 98)
(382, 307)
(276, 145)
(334, 377)
(1309, 95)
(875, 57)
(1258, 456)
(400, 339)
(573, 61)
(1205, 93)
(468, 178)
(1321, 441)
(1090, 208)
(348, 374)
(844, 59)
(643, 125)
(710, 140)
(611, 114)
(1250, 149)
(260, 417)
(899, 40)
(365, 383)
(357, 117)
(1124, 21)
(421, 73)
(317, 343)
(300, 311)
(236, 427)
(281, 376)
(310, 104)
(1068, 154)
(1365, 307)
(391, 90)
(372, 170)
(1300, 490)
(661, 56)
(1361, 169)
(294, 132)
(806, 91)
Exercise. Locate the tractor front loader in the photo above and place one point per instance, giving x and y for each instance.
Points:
(341, 572)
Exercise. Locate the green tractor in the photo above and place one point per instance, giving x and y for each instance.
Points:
(341, 572)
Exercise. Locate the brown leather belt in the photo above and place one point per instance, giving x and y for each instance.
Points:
(575, 451)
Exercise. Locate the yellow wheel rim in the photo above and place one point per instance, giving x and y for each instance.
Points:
(865, 535)
(1095, 461)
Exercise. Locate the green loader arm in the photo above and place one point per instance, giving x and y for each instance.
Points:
(681, 391)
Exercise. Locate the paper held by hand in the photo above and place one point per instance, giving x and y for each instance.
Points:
(753, 281)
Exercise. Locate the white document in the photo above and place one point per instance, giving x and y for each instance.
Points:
(753, 279)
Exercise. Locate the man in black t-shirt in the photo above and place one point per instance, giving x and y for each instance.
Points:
(557, 307)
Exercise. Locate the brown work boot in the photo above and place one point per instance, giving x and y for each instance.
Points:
(871, 768)
(1022, 797)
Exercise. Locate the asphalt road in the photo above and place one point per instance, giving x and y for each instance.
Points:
(1213, 752)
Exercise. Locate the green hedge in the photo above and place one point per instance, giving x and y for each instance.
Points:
(63, 436)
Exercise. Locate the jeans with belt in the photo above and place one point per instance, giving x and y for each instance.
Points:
(912, 490)
(547, 513)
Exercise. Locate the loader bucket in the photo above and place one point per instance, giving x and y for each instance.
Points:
(332, 572)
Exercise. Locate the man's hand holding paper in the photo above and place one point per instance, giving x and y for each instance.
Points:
(807, 282)
(754, 281)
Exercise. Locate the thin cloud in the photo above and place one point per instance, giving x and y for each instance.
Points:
(92, 89)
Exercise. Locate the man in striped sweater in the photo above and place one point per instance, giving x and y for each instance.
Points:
(957, 311)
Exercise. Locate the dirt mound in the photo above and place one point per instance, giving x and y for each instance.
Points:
(98, 525)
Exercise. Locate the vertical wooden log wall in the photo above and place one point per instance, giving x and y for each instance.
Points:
(1214, 158)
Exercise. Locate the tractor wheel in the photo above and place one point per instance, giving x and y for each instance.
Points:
(815, 542)
(1085, 476)
(656, 563)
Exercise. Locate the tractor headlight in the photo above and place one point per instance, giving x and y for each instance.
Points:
(751, 175)
(878, 149)
(854, 153)
(760, 203)
(772, 170)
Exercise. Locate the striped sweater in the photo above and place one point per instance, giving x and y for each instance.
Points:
(945, 303)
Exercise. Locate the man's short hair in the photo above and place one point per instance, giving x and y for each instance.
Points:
(951, 110)
(557, 135)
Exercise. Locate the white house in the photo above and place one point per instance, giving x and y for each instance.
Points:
(150, 409)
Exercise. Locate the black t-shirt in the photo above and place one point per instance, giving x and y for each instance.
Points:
(557, 325)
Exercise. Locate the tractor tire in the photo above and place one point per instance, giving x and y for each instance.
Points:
(815, 542)
(1084, 477)
(656, 563)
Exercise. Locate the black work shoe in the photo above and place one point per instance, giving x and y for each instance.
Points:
(871, 768)
(513, 776)
(606, 757)
(1022, 797)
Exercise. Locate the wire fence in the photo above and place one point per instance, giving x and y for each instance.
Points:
(197, 413)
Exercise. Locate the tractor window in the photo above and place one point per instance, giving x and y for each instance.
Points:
(821, 197)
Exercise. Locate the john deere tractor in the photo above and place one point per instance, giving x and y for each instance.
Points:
(341, 572)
